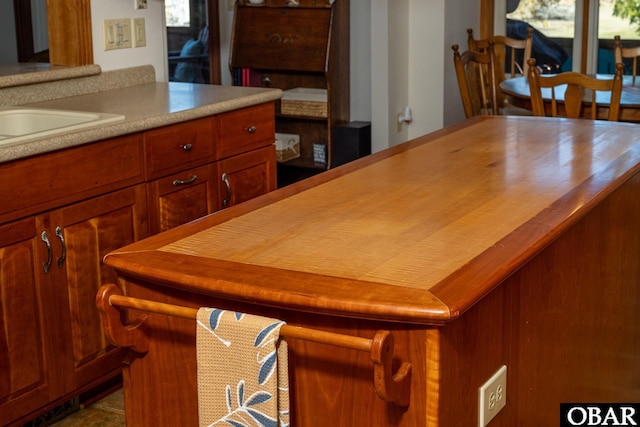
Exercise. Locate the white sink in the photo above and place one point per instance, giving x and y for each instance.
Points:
(18, 124)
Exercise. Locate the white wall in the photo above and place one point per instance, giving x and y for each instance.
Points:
(40, 28)
(153, 53)
(460, 15)
(360, 49)
(426, 39)
(8, 48)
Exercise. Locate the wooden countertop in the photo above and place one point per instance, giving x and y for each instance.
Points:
(417, 233)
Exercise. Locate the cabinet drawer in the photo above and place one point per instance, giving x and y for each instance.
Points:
(282, 38)
(176, 147)
(183, 197)
(244, 130)
(55, 179)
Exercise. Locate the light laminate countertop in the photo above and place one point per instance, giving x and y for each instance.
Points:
(145, 105)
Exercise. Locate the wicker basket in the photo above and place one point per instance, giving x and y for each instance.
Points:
(287, 146)
(304, 102)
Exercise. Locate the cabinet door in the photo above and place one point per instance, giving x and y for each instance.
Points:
(24, 382)
(90, 230)
(181, 198)
(246, 176)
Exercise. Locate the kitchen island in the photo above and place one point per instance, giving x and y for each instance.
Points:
(500, 241)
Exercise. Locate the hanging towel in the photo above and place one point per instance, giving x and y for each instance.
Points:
(242, 370)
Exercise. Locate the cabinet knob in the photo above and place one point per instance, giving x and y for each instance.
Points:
(251, 129)
(187, 147)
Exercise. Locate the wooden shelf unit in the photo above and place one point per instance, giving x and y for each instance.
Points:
(288, 47)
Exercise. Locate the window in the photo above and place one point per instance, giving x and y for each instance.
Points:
(177, 13)
(570, 34)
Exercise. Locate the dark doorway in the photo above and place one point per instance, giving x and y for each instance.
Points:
(193, 41)
(24, 19)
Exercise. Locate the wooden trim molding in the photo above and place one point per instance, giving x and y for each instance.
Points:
(215, 74)
(486, 18)
(70, 38)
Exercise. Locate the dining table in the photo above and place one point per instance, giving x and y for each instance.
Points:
(518, 94)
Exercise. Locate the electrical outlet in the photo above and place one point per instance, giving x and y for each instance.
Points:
(492, 396)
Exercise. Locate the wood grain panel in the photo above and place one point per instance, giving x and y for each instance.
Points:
(171, 205)
(249, 175)
(177, 147)
(244, 130)
(282, 38)
(70, 37)
(23, 383)
(91, 230)
(66, 176)
(567, 325)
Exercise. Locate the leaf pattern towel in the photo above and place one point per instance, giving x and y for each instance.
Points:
(242, 370)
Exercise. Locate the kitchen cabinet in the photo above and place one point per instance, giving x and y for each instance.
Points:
(24, 384)
(91, 229)
(62, 212)
(231, 159)
(53, 345)
(304, 48)
(183, 197)
(246, 176)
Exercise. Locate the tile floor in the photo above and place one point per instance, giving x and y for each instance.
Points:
(107, 412)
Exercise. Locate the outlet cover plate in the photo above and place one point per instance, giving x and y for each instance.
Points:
(492, 396)
(139, 33)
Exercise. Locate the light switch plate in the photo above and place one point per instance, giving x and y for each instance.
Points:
(117, 33)
(139, 33)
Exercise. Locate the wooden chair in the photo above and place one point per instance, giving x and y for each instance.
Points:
(475, 72)
(506, 51)
(579, 89)
(505, 48)
(622, 53)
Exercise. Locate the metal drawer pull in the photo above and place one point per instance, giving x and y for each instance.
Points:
(225, 179)
(63, 256)
(251, 129)
(45, 239)
(191, 179)
(187, 147)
